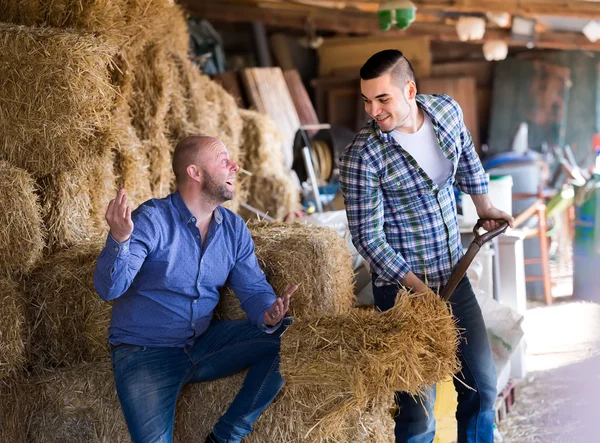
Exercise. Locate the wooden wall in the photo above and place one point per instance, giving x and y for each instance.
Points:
(559, 107)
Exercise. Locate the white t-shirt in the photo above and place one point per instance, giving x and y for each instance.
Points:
(423, 146)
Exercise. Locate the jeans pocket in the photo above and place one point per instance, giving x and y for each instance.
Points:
(123, 352)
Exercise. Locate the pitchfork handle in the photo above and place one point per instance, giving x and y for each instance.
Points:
(461, 268)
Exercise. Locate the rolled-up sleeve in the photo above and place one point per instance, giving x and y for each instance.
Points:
(364, 209)
(470, 175)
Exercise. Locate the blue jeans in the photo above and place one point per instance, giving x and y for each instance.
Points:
(475, 412)
(148, 380)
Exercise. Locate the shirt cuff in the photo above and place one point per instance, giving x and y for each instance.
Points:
(270, 329)
(116, 249)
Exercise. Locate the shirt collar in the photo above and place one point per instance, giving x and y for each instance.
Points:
(421, 100)
(186, 214)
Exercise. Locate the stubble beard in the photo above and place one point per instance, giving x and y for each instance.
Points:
(217, 191)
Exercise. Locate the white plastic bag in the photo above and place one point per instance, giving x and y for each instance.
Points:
(503, 326)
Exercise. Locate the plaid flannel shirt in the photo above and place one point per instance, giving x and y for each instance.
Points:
(400, 220)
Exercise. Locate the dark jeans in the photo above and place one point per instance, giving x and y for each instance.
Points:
(148, 380)
(475, 412)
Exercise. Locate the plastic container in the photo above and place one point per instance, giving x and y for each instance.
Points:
(586, 256)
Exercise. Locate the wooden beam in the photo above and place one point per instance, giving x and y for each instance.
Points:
(345, 22)
(527, 8)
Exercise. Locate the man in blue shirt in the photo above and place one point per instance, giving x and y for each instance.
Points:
(163, 266)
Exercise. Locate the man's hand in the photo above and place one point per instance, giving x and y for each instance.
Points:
(494, 214)
(411, 281)
(485, 209)
(278, 310)
(118, 217)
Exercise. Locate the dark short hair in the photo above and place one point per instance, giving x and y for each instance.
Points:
(388, 61)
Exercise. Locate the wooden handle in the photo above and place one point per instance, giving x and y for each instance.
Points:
(461, 268)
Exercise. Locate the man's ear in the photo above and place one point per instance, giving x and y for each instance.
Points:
(411, 89)
(194, 173)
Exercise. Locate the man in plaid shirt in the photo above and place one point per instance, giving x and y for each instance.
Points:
(397, 178)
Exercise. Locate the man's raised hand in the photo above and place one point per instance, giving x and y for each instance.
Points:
(278, 309)
(118, 217)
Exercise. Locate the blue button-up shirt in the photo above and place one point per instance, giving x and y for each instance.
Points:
(165, 284)
(401, 220)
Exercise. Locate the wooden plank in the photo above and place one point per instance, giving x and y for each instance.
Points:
(281, 50)
(268, 94)
(531, 91)
(461, 89)
(571, 8)
(349, 53)
(343, 21)
(341, 103)
(304, 107)
(482, 71)
(232, 83)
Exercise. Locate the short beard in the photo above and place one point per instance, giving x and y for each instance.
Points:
(217, 191)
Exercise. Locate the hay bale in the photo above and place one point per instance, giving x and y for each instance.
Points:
(76, 405)
(103, 188)
(70, 320)
(133, 168)
(21, 238)
(260, 143)
(160, 153)
(230, 122)
(286, 420)
(201, 106)
(270, 189)
(371, 353)
(67, 207)
(55, 98)
(14, 329)
(129, 23)
(151, 91)
(273, 193)
(80, 405)
(13, 414)
(316, 258)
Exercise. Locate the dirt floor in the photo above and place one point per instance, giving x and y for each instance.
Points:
(560, 399)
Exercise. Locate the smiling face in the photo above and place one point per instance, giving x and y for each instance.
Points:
(386, 103)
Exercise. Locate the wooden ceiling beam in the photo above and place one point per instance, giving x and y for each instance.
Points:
(344, 22)
(527, 8)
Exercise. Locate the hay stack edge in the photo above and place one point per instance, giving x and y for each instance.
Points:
(93, 97)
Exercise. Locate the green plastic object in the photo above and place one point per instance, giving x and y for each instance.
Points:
(396, 12)
(405, 17)
(385, 20)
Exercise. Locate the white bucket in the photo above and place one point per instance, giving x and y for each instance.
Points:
(500, 193)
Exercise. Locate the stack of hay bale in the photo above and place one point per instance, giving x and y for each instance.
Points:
(271, 188)
(93, 97)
